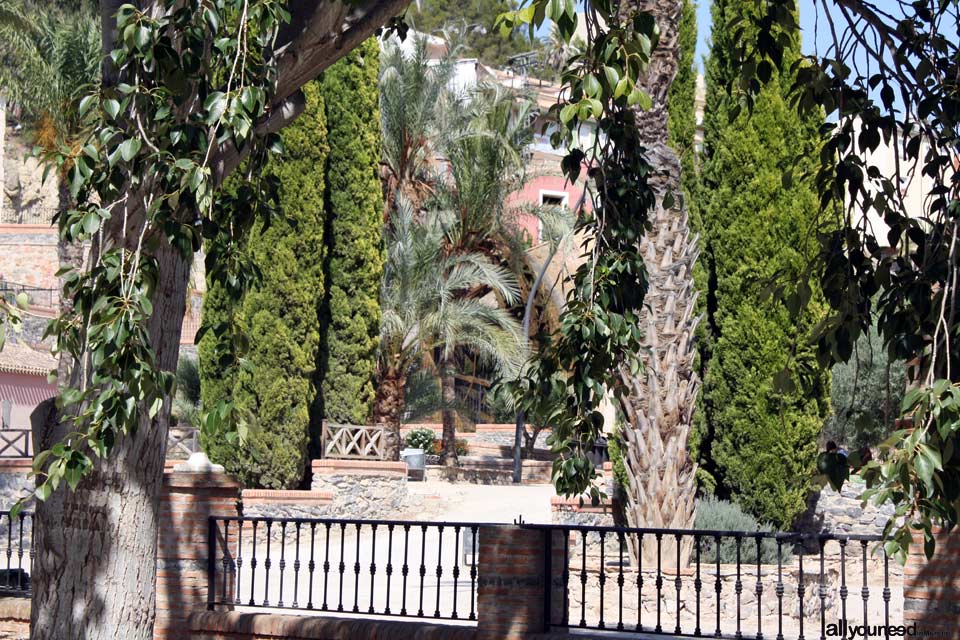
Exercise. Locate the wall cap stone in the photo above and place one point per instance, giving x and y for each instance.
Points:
(16, 465)
(282, 496)
(331, 467)
(268, 625)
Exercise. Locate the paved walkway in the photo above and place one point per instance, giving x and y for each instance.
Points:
(438, 500)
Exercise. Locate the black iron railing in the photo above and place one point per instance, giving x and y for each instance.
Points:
(16, 544)
(381, 567)
(36, 296)
(728, 584)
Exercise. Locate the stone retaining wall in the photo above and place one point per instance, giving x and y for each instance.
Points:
(14, 482)
(362, 488)
(842, 512)
(268, 503)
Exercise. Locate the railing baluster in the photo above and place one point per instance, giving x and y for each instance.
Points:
(843, 578)
(20, 553)
(326, 565)
(801, 591)
(356, 574)
(253, 563)
(678, 584)
(473, 573)
(405, 569)
(456, 567)
(436, 613)
(386, 609)
(822, 593)
(583, 581)
(759, 592)
(342, 566)
(697, 584)
(423, 565)
(738, 585)
(225, 562)
(865, 592)
(266, 567)
(780, 589)
(718, 584)
(312, 564)
(602, 579)
(620, 543)
(659, 582)
(9, 549)
(236, 596)
(886, 594)
(373, 564)
(639, 582)
(283, 559)
(296, 567)
(566, 577)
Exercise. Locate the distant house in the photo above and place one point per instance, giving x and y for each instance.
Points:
(23, 383)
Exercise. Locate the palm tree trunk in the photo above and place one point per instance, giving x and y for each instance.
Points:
(387, 410)
(662, 398)
(448, 397)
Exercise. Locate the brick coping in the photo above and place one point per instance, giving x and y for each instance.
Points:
(560, 503)
(332, 467)
(16, 465)
(272, 625)
(284, 496)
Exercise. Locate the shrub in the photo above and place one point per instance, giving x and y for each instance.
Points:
(616, 448)
(720, 515)
(188, 379)
(422, 438)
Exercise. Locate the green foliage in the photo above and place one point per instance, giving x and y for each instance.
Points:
(720, 515)
(760, 438)
(50, 60)
(472, 23)
(616, 449)
(143, 186)
(422, 439)
(188, 379)
(280, 314)
(350, 320)
(865, 395)
(599, 332)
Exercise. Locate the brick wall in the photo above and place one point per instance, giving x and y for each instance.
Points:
(191, 496)
(29, 255)
(931, 590)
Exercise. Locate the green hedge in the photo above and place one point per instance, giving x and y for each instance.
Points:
(758, 445)
(280, 317)
(351, 317)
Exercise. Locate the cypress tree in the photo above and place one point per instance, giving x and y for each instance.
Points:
(350, 320)
(759, 441)
(279, 315)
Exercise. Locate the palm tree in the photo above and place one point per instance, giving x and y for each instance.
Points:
(427, 317)
(414, 102)
(662, 399)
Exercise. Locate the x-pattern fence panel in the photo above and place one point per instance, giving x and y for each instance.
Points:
(15, 443)
(353, 441)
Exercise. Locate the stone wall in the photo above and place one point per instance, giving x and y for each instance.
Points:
(362, 488)
(14, 482)
(28, 255)
(268, 503)
(842, 512)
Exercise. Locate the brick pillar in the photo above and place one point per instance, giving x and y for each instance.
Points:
(511, 583)
(193, 491)
(931, 590)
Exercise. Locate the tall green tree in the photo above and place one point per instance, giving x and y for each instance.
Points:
(474, 21)
(761, 434)
(350, 319)
(281, 316)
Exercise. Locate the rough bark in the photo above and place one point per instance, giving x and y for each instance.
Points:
(662, 398)
(95, 570)
(387, 409)
(448, 398)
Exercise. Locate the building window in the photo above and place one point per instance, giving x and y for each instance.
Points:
(551, 199)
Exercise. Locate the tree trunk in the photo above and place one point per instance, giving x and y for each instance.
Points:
(448, 397)
(95, 570)
(662, 398)
(387, 410)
